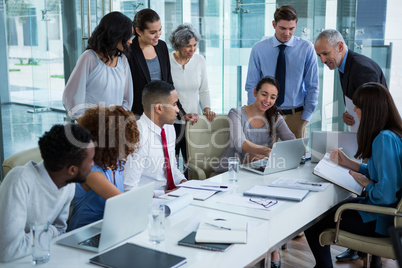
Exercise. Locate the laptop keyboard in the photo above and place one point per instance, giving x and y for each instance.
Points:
(91, 242)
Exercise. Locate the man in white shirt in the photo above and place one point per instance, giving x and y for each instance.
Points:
(42, 192)
(150, 162)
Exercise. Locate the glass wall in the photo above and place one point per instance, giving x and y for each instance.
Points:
(42, 40)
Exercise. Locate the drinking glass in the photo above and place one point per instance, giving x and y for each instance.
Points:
(233, 168)
(157, 224)
(40, 242)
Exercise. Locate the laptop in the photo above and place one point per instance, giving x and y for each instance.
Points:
(284, 155)
(323, 141)
(125, 215)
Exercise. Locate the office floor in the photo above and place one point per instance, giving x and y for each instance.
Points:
(22, 129)
(298, 254)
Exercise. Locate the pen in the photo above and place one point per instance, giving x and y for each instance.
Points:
(310, 183)
(217, 226)
(215, 186)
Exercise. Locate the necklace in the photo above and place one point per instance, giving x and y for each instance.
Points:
(181, 61)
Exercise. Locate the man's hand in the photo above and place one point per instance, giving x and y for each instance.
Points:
(360, 178)
(348, 119)
(191, 117)
(209, 114)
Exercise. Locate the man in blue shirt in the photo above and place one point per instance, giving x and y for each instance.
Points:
(354, 69)
(301, 77)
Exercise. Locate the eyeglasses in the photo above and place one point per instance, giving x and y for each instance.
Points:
(266, 203)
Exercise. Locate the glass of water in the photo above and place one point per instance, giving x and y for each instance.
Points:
(40, 242)
(156, 228)
(233, 168)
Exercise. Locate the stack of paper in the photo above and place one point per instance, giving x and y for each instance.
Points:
(218, 231)
(276, 193)
(294, 183)
(197, 194)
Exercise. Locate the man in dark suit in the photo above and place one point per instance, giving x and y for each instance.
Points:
(354, 69)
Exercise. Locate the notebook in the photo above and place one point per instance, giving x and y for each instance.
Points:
(130, 255)
(189, 241)
(120, 221)
(284, 155)
(337, 174)
(218, 231)
(277, 193)
(323, 141)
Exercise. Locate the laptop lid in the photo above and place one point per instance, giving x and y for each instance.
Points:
(284, 155)
(323, 141)
(125, 215)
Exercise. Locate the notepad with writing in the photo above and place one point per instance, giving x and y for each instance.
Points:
(277, 193)
(131, 255)
(189, 241)
(337, 174)
(217, 231)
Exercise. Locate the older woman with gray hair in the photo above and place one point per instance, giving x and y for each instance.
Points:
(189, 78)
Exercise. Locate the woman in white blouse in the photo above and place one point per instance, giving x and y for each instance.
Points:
(102, 74)
(189, 78)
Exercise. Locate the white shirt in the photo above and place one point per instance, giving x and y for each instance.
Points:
(92, 83)
(191, 83)
(147, 164)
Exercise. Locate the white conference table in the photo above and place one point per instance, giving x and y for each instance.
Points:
(268, 230)
(178, 226)
(290, 218)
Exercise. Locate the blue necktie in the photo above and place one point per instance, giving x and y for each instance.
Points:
(280, 74)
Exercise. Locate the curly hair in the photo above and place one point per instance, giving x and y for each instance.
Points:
(273, 112)
(64, 145)
(182, 35)
(114, 131)
(114, 27)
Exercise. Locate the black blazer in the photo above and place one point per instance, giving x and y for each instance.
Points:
(360, 69)
(140, 73)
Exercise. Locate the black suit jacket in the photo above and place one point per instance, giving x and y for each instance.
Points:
(360, 69)
(140, 73)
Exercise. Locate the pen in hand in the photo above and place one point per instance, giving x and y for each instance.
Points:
(218, 226)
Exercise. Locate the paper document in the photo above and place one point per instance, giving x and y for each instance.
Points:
(300, 184)
(197, 194)
(218, 231)
(238, 199)
(178, 204)
(349, 107)
(277, 193)
(337, 174)
(206, 185)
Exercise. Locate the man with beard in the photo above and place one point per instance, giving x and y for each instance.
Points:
(42, 192)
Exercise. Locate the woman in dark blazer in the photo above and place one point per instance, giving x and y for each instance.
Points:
(149, 58)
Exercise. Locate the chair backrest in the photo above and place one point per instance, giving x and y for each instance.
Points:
(206, 142)
(398, 220)
(20, 159)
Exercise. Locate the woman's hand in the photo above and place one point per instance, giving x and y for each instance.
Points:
(209, 114)
(339, 157)
(360, 178)
(191, 117)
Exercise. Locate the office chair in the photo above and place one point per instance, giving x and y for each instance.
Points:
(20, 159)
(206, 142)
(371, 245)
